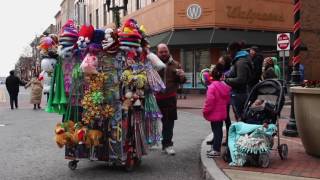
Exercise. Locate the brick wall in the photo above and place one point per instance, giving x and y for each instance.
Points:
(310, 35)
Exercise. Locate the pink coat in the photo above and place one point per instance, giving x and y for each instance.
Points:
(218, 97)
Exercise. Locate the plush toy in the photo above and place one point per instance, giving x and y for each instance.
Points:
(47, 64)
(93, 137)
(98, 36)
(110, 44)
(157, 64)
(89, 64)
(64, 133)
(43, 76)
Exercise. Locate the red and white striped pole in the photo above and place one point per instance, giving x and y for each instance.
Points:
(291, 128)
(297, 44)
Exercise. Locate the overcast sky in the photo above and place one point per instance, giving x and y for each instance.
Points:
(20, 22)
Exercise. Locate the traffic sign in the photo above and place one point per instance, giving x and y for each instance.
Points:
(283, 42)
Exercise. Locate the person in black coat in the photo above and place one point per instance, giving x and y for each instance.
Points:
(239, 77)
(257, 60)
(12, 84)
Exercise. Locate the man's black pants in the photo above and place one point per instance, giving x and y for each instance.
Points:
(168, 108)
(13, 99)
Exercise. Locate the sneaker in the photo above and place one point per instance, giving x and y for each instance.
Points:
(213, 154)
(170, 151)
(154, 147)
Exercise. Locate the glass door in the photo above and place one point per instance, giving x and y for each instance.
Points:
(193, 61)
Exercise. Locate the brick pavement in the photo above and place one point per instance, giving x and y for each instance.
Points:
(298, 164)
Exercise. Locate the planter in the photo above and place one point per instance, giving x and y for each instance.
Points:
(307, 114)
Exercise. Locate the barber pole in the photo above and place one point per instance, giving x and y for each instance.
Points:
(296, 32)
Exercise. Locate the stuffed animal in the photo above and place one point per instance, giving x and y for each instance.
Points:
(47, 64)
(110, 43)
(89, 64)
(93, 137)
(64, 133)
(157, 64)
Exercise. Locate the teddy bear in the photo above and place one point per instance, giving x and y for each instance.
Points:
(64, 133)
(85, 36)
(89, 64)
(93, 137)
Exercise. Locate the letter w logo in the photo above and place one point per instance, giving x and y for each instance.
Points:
(194, 11)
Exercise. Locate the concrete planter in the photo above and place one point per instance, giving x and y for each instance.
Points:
(307, 113)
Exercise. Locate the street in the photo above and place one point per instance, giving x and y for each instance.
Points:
(28, 149)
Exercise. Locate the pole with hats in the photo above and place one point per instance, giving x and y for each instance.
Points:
(291, 128)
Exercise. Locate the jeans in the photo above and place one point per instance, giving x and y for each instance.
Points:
(217, 135)
(13, 99)
(228, 122)
(238, 101)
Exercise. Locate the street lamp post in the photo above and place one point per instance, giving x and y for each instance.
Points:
(116, 10)
(291, 128)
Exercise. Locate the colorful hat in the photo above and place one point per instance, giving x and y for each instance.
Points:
(67, 39)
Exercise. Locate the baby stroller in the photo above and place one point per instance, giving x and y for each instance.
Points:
(269, 96)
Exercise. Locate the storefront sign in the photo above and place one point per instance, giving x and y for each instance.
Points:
(251, 15)
(194, 11)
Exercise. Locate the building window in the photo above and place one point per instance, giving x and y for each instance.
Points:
(97, 18)
(90, 19)
(137, 4)
(84, 14)
(104, 14)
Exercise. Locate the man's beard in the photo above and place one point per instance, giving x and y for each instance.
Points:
(165, 58)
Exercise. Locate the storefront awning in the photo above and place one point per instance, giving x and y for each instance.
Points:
(214, 37)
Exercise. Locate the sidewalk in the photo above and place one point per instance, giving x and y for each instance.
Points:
(299, 165)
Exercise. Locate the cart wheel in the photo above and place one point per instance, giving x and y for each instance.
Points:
(226, 155)
(283, 151)
(73, 164)
(264, 160)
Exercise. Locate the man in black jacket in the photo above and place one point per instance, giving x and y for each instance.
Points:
(257, 60)
(12, 84)
(239, 77)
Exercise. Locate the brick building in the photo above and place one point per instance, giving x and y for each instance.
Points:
(198, 31)
(311, 38)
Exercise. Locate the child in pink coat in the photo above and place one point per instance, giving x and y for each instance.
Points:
(215, 108)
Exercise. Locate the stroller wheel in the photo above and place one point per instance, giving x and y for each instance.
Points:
(264, 160)
(73, 164)
(283, 151)
(226, 155)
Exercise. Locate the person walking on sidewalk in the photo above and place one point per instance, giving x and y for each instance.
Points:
(215, 108)
(36, 92)
(173, 75)
(12, 85)
(240, 76)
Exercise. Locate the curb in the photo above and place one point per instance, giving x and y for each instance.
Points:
(209, 168)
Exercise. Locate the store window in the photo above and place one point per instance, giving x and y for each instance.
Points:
(105, 14)
(90, 18)
(137, 4)
(193, 61)
(97, 18)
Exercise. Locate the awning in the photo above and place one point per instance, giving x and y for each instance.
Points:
(160, 38)
(214, 37)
